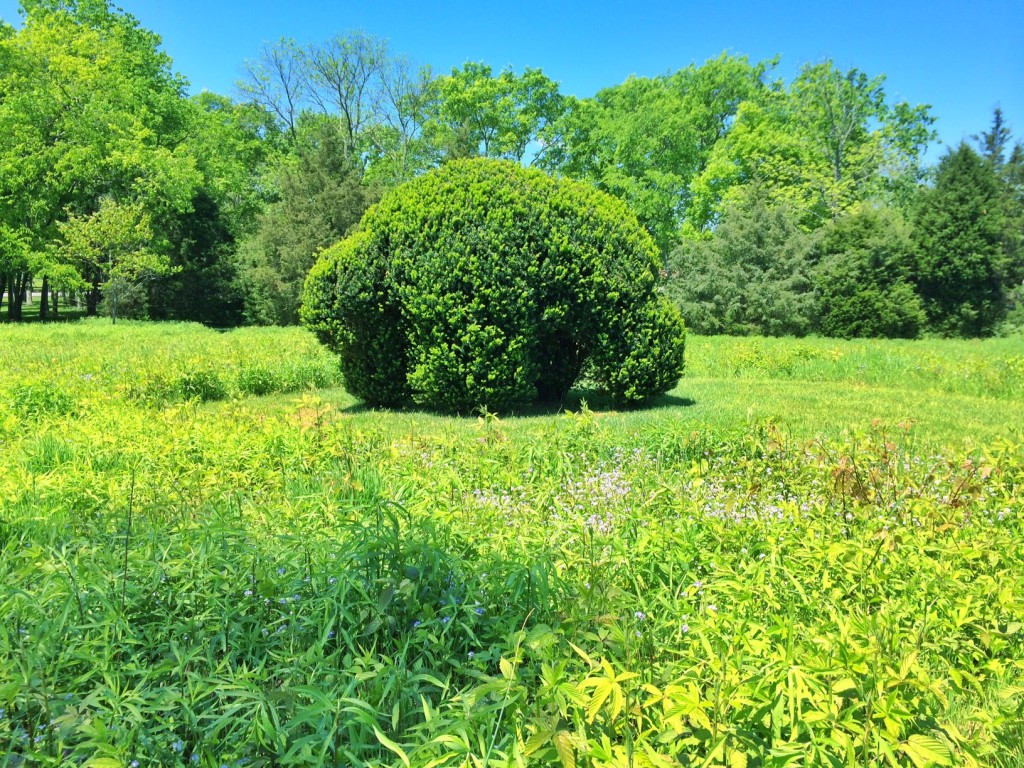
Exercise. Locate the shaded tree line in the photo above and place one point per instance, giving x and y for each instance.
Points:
(782, 208)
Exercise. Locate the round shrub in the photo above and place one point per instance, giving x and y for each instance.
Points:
(486, 284)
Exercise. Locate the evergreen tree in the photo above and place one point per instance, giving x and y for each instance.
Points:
(992, 143)
(1012, 175)
(752, 277)
(961, 264)
(321, 197)
(863, 277)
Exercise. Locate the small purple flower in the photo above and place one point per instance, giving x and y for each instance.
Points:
(639, 615)
(685, 627)
(416, 623)
(248, 593)
(178, 746)
(280, 571)
(479, 611)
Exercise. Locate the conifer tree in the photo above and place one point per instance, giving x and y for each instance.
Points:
(961, 264)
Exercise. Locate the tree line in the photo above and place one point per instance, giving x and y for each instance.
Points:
(780, 207)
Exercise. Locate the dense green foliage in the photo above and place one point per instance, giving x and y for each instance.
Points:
(98, 137)
(484, 284)
(864, 263)
(753, 277)
(962, 269)
(288, 581)
(829, 141)
(320, 198)
(648, 138)
(239, 198)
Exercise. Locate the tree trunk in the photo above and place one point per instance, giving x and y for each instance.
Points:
(16, 294)
(3, 287)
(92, 300)
(56, 297)
(44, 300)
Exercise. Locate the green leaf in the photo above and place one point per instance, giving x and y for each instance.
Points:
(565, 749)
(507, 670)
(925, 751)
(385, 741)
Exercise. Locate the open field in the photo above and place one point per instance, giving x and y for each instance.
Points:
(810, 553)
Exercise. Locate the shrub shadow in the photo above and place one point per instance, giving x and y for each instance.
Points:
(573, 402)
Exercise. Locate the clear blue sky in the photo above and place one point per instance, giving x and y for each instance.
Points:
(962, 58)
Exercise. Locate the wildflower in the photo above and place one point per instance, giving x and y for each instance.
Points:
(698, 584)
(178, 746)
(194, 758)
(713, 608)
(416, 623)
(639, 615)
(685, 627)
(330, 635)
(133, 764)
(332, 581)
(280, 571)
(479, 611)
(471, 654)
(446, 619)
(248, 593)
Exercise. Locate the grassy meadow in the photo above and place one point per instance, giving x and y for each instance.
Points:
(811, 553)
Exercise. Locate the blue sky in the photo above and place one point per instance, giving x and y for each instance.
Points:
(962, 58)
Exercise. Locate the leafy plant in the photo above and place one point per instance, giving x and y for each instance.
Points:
(484, 284)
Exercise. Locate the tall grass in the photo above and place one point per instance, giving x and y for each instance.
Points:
(983, 368)
(291, 581)
(63, 367)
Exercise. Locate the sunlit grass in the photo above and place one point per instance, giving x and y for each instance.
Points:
(770, 567)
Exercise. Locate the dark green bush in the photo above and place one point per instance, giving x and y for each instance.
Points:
(486, 284)
(863, 278)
